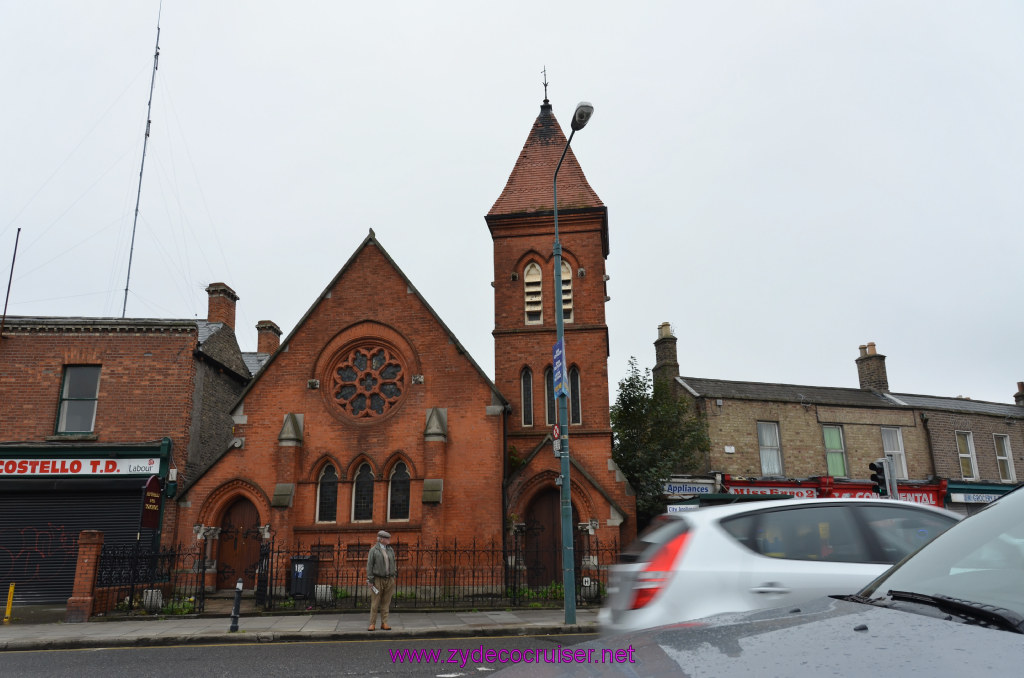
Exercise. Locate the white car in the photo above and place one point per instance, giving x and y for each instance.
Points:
(764, 554)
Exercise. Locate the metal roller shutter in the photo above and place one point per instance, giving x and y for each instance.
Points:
(39, 530)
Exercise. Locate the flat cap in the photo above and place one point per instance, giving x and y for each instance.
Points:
(383, 533)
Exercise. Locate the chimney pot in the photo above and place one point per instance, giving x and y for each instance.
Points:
(221, 308)
(871, 369)
(268, 336)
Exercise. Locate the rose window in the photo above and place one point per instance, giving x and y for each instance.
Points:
(368, 381)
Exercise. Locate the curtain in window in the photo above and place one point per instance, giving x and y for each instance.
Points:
(398, 492)
(964, 447)
(771, 455)
(327, 496)
(834, 457)
(362, 501)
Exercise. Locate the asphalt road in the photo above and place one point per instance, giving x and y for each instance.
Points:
(452, 657)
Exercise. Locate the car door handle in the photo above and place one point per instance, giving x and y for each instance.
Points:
(770, 587)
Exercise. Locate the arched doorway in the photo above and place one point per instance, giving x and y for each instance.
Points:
(239, 549)
(543, 539)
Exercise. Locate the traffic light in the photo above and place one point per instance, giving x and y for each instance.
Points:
(879, 469)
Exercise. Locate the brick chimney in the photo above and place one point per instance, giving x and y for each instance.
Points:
(268, 336)
(871, 368)
(666, 362)
(1018, 397)
(222, 304)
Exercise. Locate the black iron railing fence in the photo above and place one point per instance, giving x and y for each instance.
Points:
(322, 575)
(434, 575)
(132, 578)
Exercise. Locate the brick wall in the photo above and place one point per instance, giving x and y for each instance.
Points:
(943, 427)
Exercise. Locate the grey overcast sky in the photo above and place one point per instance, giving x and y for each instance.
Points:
(785, 180)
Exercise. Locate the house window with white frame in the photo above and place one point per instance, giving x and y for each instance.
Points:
(1004, 458)
(965, 450)
(526, 395)
(327, 496)
(835, 451)
(532, 290)
(362, 495)
(78, 396)
(892, 446)
(771, 450)
(398, 493)
(566, 292)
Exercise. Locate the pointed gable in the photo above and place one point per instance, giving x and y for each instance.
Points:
(529, 186)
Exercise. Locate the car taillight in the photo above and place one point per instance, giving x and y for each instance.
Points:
(653, 578)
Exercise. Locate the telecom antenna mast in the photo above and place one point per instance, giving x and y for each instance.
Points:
(145, 142)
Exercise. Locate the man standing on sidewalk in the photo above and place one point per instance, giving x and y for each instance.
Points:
(381, 570)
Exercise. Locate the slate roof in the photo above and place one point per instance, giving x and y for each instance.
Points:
(815, 395)
(529, 185)
(845, 397)
(960, 405)
(254, 361)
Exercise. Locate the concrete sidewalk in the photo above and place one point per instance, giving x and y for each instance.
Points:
(140, 632)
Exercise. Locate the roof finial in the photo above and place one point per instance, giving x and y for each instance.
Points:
(545, 72)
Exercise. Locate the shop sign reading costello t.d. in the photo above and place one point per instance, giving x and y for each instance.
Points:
(80, 466)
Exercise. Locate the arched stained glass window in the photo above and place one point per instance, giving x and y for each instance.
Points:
(398, 493)
(575, 407)
(327, 496)
(526, 395)
(549, 397)
(362, 496)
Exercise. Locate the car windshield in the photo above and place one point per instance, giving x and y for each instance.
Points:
(980, 560)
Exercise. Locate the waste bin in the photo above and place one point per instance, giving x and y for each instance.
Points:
(303, 577)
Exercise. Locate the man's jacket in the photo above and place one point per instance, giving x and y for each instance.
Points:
(375, 565)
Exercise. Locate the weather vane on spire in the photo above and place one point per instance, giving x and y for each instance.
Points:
(545, 72)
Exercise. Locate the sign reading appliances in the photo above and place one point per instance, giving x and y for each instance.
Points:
(78, 467)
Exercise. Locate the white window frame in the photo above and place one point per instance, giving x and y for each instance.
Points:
(567, 314)
(1011, 476)
(898, 455)
(777, 451)
(67, 400)
(971, 456)
(533, 294)
(841, 451)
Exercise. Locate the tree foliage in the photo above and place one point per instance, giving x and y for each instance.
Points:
(654, 436)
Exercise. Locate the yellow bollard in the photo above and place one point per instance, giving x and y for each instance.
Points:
(10, 601)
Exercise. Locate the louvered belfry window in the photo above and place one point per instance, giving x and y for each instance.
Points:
(532, 280)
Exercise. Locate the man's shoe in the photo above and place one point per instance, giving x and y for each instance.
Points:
(372, 628)
(385, 627)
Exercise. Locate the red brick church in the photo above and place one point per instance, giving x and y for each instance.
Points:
(371, 415)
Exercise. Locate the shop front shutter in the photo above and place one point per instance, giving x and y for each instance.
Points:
(39, 531)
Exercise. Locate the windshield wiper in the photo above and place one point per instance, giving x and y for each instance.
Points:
(981, 613)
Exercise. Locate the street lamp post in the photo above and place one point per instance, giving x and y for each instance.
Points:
(580, 118)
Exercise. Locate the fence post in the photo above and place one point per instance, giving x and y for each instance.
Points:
(79, 608)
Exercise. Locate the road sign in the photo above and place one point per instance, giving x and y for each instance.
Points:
(555, 432)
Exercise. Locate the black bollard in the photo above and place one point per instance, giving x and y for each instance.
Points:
(235, 609)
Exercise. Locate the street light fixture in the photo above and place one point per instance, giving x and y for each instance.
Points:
(560, 372)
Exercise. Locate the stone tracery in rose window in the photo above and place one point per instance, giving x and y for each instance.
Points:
(368, 381)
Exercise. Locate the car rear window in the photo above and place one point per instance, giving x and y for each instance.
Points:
(814, 532)
(660, 531)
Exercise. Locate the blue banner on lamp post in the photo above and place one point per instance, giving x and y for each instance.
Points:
(560, 375)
